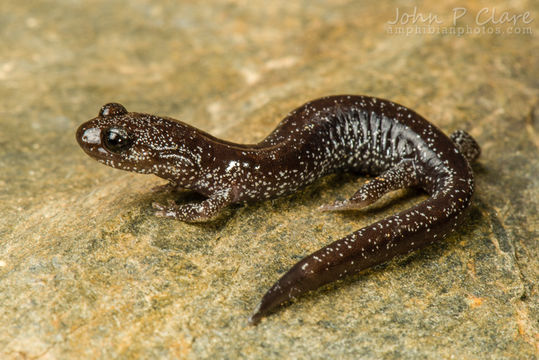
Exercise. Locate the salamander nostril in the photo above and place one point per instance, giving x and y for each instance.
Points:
(111, 109)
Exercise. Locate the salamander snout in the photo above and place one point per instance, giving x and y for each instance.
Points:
(86, 136)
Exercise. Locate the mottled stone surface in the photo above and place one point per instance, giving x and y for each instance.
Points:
(86, 271)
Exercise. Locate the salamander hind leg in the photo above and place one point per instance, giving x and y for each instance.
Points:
(402, 175)
(466, 145)
(195, 212)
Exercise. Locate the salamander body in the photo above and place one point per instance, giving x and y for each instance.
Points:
(336, 133)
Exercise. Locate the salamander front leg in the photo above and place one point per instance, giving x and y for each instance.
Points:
(402, 175)
(195, 212)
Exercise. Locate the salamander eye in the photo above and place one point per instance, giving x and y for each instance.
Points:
(116, 139)
(112, 109)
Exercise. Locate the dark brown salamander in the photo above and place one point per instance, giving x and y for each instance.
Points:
(359, 133)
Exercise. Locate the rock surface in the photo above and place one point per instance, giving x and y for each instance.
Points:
(86, 271)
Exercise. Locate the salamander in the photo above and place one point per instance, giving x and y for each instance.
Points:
(336, 133)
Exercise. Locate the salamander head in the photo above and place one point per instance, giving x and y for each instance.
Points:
(136, 142)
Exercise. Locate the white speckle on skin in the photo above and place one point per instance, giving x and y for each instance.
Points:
(231, 165)
(92, 136)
